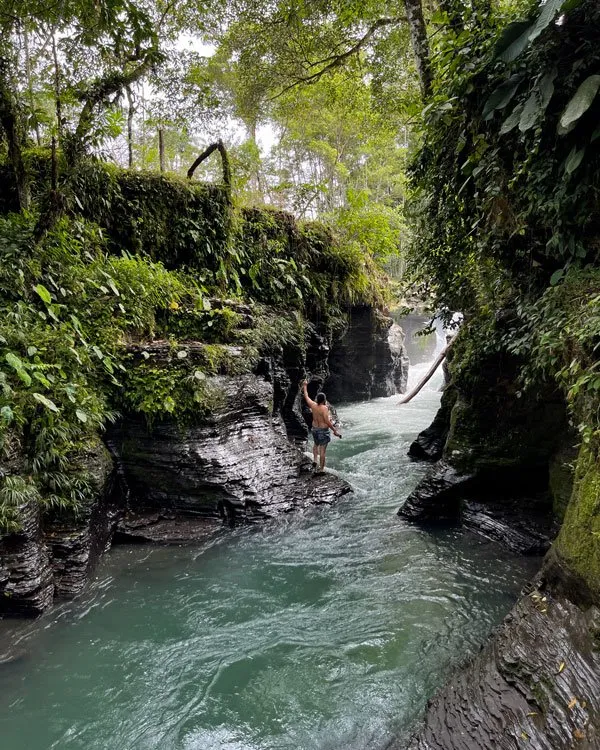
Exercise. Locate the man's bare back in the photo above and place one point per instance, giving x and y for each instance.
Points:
(320, 416)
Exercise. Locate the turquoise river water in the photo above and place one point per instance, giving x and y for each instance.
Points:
(326, 630)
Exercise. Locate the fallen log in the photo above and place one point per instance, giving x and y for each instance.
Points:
(438, 361)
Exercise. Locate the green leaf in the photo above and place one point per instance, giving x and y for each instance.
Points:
(23, 375)
(7, 414)
(557, 276)
(512, 120)
(531, 112)
(547, 15)
(46, 402)
(81, 415)
(546, 88)
(13, 361)
(574, 159)
(581, 101)
(43, 293)
(513, 40)
(42, 379)
(501, 96)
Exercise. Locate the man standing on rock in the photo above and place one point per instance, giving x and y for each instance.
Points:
(321, 424)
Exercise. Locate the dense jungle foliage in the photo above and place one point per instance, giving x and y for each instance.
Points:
(506, 180)
(468, 128)
(507, 223)
(79, 307)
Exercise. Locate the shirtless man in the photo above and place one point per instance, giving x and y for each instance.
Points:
(321, 423)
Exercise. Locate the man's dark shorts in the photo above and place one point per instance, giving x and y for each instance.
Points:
(321, 435)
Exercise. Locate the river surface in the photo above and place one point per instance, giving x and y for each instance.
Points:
(326, 630)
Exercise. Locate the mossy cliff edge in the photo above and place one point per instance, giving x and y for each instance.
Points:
(154, 314)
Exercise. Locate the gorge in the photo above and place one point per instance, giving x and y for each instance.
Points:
(367, 181)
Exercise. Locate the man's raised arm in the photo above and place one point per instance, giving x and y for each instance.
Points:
(307, 398)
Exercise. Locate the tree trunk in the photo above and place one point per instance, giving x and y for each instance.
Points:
(29, 74)
(57, 97)
(420, 44)
(11, 124)
(161, 149)
(220, 147)
(130, 114)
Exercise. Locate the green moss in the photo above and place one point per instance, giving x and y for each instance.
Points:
(578, 543)
(561, 476)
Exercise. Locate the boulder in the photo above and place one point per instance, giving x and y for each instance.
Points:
(535, 684)
(52, 554)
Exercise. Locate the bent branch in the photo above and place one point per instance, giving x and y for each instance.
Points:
(224, 158)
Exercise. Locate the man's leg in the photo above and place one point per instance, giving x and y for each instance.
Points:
(315, 454)
(322, 449)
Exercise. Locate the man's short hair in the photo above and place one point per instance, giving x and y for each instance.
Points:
(321, 398)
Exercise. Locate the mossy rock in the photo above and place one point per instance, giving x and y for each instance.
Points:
(561, 476)
(578, 543)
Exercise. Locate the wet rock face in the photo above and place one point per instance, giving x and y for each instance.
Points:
(368, 360)
(26, 582)
(429, 444)
(509, 511)
(286, 370)
(535, 684)
(437, 496)
(51, 557)
(238, 465)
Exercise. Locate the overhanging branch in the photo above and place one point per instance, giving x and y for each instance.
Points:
(337, 60)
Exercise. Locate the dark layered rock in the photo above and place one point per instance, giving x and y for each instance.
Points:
(26, 581)
(438, 495)
(429, 444)
(535, 684)
(506, 472)
(52, 556)
(286, 370)
(368, 360)
(522, 522)
(235, 465)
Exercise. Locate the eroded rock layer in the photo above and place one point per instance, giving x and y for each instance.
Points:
(236, 465)
(368, 360)
(535, 684)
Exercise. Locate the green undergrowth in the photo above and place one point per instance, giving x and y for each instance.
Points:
(88, 334)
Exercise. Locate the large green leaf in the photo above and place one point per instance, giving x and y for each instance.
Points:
(512, 120)
(517, 36)
(512, 35)
(46, 402)
(501, 96)
(43, 293)
(580, 102)
(531, 112)
(574, 159)
(13, 361)
(546, 88)
(547, 15)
